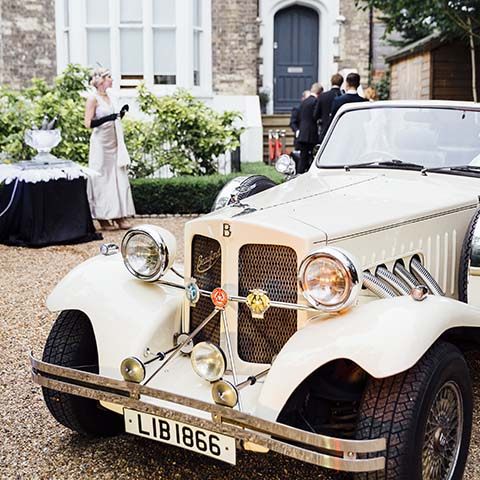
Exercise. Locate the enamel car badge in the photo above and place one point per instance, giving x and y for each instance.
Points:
(192, 291)
(258, 303)
(219, 298)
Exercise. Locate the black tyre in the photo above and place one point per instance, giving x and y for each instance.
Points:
(425, 414)
(255, 184)
(246, 188)
(71, 343)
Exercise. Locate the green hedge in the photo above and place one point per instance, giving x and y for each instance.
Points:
(188, 194)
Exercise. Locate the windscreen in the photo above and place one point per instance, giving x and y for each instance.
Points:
(432, 137)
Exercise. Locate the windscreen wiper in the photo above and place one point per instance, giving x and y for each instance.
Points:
(390, 163)
(454, 169)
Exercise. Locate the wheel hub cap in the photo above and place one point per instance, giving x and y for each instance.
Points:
(443, 434)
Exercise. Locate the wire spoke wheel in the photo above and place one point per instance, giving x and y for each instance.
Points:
(443, 434)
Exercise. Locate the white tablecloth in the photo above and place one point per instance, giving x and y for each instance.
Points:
(32, 173)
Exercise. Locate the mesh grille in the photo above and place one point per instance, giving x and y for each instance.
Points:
(273, 269)
(206, 269)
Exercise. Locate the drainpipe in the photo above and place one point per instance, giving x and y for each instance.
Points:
(370, 46)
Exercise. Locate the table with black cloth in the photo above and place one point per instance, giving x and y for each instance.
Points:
(42, 213)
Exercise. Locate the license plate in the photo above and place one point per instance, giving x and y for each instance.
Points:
(180, 434)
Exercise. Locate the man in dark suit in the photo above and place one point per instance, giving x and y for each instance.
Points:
(324, 105)
(308, 131)
(350, 95)
(295, 119)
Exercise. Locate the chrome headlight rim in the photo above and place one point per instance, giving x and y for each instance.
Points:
(352, 275)
(221, 356)
(160, 244)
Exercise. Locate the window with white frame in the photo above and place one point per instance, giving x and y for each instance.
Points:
(97, 28)
(131, 43)
(165, 43)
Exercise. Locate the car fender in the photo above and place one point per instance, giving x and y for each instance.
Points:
(384, 337)
(128, 315)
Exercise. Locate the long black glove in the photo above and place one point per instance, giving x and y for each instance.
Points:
(100, 121)
(124, 110)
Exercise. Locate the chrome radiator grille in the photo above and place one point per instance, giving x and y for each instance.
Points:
(206, 269)
(271, 268)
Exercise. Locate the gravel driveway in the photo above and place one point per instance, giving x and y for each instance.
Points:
(34, 446)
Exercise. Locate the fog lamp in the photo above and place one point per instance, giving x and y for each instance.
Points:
(132, 369)
(224, 393)
(208, 361)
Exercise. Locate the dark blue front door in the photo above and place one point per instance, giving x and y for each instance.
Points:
(295, 55)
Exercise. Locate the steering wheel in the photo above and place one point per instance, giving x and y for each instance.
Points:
(376, 155)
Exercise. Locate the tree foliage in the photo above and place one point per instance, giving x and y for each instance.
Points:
(183, 133)
(415, 19)
(19, 110)
(179, 130)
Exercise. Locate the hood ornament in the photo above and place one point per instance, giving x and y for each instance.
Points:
(241, 191)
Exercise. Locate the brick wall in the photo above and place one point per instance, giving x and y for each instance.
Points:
(235, 44)
(27, 39)
(354, 39)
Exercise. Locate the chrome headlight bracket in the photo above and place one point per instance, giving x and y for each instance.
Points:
(346, 264)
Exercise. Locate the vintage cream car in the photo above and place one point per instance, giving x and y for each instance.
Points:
(325, 318)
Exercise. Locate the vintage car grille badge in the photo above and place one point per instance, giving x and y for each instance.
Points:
(192, 292)
(219, 298)
(258, 303)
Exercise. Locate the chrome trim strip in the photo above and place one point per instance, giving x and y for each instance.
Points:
(400, 224)
(336, 453)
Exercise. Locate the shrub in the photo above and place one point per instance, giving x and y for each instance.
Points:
(187, 194)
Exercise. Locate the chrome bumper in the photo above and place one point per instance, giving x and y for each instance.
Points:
(329, 452)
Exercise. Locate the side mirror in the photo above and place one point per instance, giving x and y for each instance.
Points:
(285, 165)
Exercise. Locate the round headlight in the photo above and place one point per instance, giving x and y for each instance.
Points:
(208, 361)
(285, 165)
(330, 279)
(148, 251)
